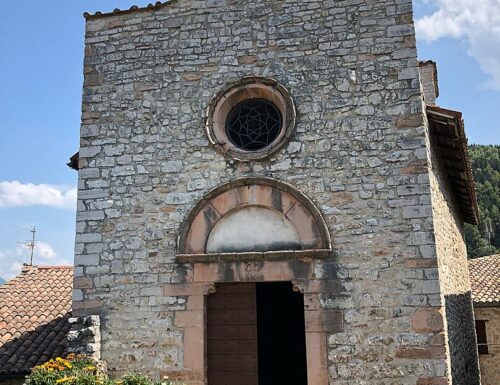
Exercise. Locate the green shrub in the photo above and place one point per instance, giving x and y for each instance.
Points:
(137, 379)
(73, 370)
(81, 370)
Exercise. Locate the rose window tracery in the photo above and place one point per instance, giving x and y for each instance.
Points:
(253, 124)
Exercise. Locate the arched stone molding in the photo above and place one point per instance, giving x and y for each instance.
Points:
(295, 209)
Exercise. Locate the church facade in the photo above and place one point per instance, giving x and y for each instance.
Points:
(268, 192)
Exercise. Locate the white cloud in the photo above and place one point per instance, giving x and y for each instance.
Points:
(11, 261)
(17, 194)
(44, 251)
(9, 265)
(477, 22)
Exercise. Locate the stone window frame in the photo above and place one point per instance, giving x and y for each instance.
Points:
(249, 87)
(253, 191)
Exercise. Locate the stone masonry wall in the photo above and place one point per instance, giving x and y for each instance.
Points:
(489, 363)
(85, 336)
(453, 276)
(428, 79)
(358, 152)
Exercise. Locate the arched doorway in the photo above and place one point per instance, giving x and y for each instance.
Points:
(252, 246)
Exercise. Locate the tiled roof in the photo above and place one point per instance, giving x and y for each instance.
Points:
(133, 8)
(485, 280)
(34, 311)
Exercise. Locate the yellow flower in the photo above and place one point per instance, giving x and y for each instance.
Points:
(64, 379)
(89, 368)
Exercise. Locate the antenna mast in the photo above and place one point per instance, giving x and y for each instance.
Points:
(30, 244)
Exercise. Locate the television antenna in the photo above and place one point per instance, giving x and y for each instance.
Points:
(30, 244)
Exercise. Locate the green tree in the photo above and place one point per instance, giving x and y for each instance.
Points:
(485, 238)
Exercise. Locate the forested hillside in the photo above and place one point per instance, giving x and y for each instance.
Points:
(485, 238)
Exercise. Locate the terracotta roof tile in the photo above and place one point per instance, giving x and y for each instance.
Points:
(133, 8)
(34, 311)
(485, 280)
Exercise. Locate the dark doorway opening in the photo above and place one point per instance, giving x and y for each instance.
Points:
(256, 335)
(281, 335)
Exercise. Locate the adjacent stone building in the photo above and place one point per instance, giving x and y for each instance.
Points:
(485, 282)
(267, 193)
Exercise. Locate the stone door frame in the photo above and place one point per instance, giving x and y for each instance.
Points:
(319, 323)
(301, 267)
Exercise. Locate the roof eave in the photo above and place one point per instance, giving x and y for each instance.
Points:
(74, 161)
(486, 304)
(457, 141)
(132, 9)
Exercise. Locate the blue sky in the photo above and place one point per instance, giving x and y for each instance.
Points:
(41, 45)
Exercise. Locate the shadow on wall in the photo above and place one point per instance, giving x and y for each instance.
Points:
(462, 339)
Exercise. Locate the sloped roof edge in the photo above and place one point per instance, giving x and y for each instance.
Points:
(74, 161)
(134, 8)
(447, 129)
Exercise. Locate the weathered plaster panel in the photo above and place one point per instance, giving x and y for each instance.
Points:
(253, 229)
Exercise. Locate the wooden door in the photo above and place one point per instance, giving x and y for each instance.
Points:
(232, 335)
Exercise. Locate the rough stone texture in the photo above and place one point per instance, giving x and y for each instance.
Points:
(85, 336)
(449, 231)
(489, 363)
(453, 277)
(462, 339)
(428, 79)
(359, 152)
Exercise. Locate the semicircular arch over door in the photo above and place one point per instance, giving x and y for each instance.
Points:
(253, 215)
